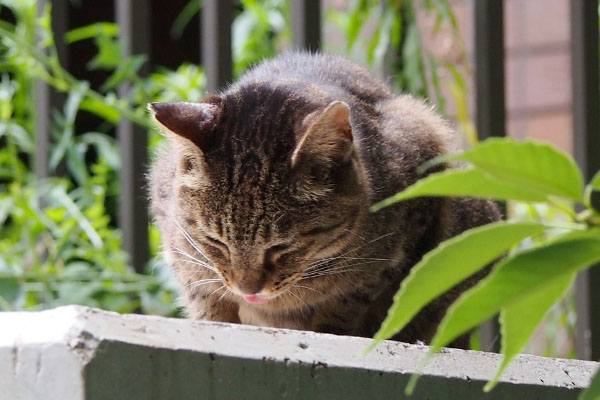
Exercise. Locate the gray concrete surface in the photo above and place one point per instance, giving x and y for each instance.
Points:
(77, 353)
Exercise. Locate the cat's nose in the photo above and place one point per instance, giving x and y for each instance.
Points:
(250, 286)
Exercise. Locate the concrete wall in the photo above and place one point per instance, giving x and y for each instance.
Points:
(81, 353)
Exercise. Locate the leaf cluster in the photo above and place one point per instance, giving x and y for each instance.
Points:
(530, 279)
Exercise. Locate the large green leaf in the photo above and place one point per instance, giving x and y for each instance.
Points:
(518, 276)
(450, 263)
(536, 166)
(520, 319)
(463, 182)
(593, 391)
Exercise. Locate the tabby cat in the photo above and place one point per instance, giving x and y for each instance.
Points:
(262, 195)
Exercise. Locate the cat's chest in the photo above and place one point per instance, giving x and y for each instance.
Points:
(250, 315)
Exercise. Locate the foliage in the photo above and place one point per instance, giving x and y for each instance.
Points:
(527, 282)
(391, 35)
(260, 31)
(58, 243)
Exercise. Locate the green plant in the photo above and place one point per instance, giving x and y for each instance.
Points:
(531, 278)
(390, 33)
(58, 243)
(259, 31)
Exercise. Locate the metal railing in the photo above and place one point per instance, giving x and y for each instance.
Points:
(138, 20)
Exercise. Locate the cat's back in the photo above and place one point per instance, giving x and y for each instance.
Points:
(336, 75)
(394, 133)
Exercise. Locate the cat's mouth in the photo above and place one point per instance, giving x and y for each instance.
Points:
(255, 299)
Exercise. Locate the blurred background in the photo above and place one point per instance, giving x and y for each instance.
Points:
(76, 140)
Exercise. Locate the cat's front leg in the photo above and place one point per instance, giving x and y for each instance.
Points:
(207, 302)
(200, 306)
(344, 315)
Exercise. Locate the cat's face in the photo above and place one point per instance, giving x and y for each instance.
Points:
(266, 190)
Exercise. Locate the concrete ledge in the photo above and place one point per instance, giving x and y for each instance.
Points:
(82, 353)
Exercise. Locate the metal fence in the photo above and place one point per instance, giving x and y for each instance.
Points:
(210, 42)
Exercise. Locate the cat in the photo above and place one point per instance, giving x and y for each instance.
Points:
(262, 196)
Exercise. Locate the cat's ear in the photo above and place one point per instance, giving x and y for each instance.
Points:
(192, 121)
(328, 137)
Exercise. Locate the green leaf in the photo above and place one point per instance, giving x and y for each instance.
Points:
(519, 320)
(518, 276)
(463, 182)
(450, 263)
(127, 69)
(76, 163)
(91, 31)
(356, 21)
(109, 53)
(77, 292)
(106, 146)
(102, 110)
(595, 182)
(536, 166)
(414, 68)
(184, 17)
(10, 288)
(67, 124)
(21, 137)
(60, 195)
(593, 391)
(440, 100)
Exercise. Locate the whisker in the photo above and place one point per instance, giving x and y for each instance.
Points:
(199, 262)
(216, 290)
(189, 239)
(326, 273)
(340, 274)
(202, 282)
(309, 288)
(325, 261)
(318, 262)
(223, 295)
(192, 260)
(355, 234)
(340, 269)
(289, 291)
(342, 266)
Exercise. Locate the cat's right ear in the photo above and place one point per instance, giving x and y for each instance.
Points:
(195, 122)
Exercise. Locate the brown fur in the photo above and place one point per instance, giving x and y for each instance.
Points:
(273, 179)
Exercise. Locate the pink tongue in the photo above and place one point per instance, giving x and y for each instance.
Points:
(255, 299)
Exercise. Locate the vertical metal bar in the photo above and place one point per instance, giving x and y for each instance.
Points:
(585, 69)
(489, 67)
(47, 98)
(216, 43)
(306, 24)
(490, 100)
(133, 18)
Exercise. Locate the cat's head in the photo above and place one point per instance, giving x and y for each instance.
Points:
(268, 186)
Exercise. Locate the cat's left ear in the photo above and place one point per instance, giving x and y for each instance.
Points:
(328, 138)
(192, 121)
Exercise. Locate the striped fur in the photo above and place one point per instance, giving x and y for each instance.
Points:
(264, 190)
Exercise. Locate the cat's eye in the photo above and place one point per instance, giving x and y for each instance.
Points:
(275, 251)
(219, 245)
(279, 247)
